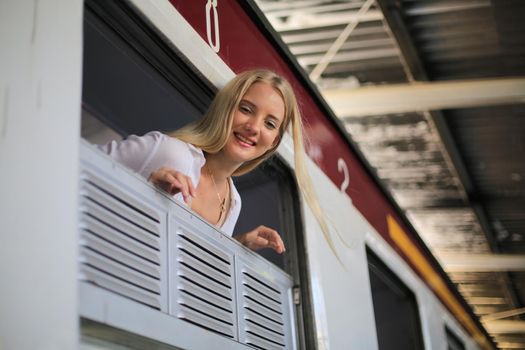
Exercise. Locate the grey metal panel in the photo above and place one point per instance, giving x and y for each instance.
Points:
(264, 305)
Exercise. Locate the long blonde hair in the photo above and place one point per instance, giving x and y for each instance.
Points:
(211, 132)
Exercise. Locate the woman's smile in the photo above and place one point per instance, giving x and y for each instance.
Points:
(244, 141)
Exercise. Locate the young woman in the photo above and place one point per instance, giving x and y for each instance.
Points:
(242, 127)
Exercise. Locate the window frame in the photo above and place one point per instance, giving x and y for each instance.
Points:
(129, 27)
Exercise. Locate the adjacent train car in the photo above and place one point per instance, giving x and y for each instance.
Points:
(97, 258)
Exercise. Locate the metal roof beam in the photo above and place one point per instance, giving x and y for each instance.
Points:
(505, 326)
(511, 345)
(313, 9)
(429, 8)
(460, 262)
(286, 5)
(418, 97)
(351, 56)
(331, 34)
(305, 49)
(302, 21)
(504, 314)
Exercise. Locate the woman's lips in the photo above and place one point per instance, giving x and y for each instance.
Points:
(244, 141)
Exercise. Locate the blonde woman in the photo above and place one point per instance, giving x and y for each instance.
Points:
(242, 127)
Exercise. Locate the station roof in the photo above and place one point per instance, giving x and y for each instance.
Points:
(433, 93)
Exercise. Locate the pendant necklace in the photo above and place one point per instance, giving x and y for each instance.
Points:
(222, 201)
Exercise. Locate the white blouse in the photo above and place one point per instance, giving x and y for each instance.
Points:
(145, 154)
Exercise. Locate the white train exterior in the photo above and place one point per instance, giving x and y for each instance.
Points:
(49, 299)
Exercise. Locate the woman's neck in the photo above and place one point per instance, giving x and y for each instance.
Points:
(220, 168)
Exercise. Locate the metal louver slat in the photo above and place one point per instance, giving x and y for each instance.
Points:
(98, 181)
(202, 285)
(255, 305)
(204, 268)
(102, 263)
(119, 224)
(221, 301)
(263, 321)
(116, 285)
(193, 251)
(115, 205)
(225, 316)
(200, 319)
(108, 249)
(200, 282)
(120, 239)
(215, 256)
(263, 288)
(269, 308)
(268, 335)
(260, 343)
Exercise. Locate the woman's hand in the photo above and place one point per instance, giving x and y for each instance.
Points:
(173, 182)
(262, 237)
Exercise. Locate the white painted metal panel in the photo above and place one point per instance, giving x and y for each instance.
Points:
(202, 285)
(264, 305)
(340, 285)
(122, 236)
(40, 89)
(181, 266)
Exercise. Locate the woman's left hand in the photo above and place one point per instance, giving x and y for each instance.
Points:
(262, 237)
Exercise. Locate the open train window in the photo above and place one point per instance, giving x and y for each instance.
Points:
(453, 341)
(133, 83)
(395, 309)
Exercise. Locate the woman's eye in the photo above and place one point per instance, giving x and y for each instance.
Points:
(245, 110)
(271, 124)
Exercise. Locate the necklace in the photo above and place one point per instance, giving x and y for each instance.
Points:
(222, 201)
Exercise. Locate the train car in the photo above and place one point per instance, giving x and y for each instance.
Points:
(95, 257)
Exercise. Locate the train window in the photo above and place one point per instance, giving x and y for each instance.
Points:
(395, 308)
(133, 83)
(128, 91)
(453, 341)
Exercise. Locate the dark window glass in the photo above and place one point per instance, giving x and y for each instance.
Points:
(131, 82)
(268, 198)
(395, 309)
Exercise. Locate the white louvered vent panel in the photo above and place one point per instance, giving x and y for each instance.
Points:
(263, 309)
(119, 241)
(205, 284)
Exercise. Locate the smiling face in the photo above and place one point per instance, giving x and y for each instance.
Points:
(256, 123)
